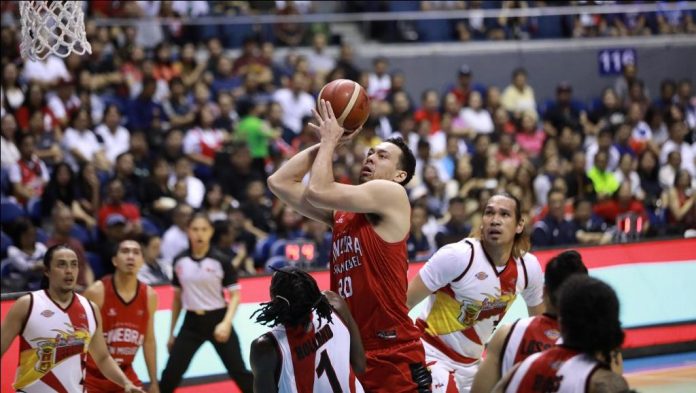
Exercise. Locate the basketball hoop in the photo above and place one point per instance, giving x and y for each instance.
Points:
(52, 27)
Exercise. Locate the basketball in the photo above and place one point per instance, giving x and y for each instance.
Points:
(349, 102)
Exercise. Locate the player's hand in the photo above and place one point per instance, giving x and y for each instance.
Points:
(347, 138)
(327, 125)
(130, 388)
(222, 332)
(170, 343)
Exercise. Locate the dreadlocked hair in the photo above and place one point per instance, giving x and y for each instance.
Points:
(589, 316)
(294, 295)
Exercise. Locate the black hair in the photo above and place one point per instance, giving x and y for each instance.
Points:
(559, 269)
(555, 190)
(589, 316)
(18, 228)
(519, 71)
(407, 162)
(48, 257)
(294, 295)
(108, 108)
(578, 201)
(201, 215)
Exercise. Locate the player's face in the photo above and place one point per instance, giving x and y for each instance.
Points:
(63, 271)
(500, 224)
(382, 162)
(129, 257)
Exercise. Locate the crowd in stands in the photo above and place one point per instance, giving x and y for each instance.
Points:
(131, 140)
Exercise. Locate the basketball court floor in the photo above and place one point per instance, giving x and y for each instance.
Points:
(657, 374)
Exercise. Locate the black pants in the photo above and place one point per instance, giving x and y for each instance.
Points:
(196, 330)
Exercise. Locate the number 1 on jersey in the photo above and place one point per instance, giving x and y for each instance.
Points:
(345, 287)
(326, 367)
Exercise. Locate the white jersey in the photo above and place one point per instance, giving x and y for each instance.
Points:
(317, 361)
(558, 369)
(53, 345)
(470, 295)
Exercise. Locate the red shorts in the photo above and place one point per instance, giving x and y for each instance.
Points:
(95, 382)
(388, 370)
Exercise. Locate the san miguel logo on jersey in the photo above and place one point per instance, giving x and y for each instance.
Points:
(51, 351)
(346, 254)
(552, 334)
(472, 310)
(47, 313)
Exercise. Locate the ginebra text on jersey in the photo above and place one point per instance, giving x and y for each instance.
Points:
(346, 245)
(124, 335)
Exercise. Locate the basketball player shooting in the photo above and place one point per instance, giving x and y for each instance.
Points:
(369, 263)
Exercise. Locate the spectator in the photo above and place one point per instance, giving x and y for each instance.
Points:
(195, 190)
(165, 69)
(431, 191)
(35, 102)
(554, 229)
(296, 102)
(10, 153)
(623, 82)
(429, 110)
(65, 102)
(155, 270)
(346, 64)
(172, 148)
(47, 144)
(47, 73)
(649, 180)
(88, 189)
(623, 141)
(191, 68)
(144, 113)
(29, 175)
(603, 180)
(255, 132)
(518, 97)
(379, 81)
(543, 182)
(215, 203)
(114, 137)
(115, 210)
(12, 91)
(82, 144)
(63, 222)
(203, 141)
(319, 61)
(62, 191)
(178, 106)
(681, 202)
(605, 144)
(175, 239)
(562, 113)
(225, 239)
(226, 80)
(156, 200)
(588, 227)
(610, 113)
(457, 226)
(463, 88)
(676, 142)
(257, 207)
(579, 185)
(627, 173)
(25, 257)
(124, 170)
(620, 203)
(419, 246)
(530, 137)
(475, 116)
(228, 117)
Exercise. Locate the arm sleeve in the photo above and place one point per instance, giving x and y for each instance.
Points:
(14, 174)
(229, 275)
(533, 293)
(447, 264)
(175, 277)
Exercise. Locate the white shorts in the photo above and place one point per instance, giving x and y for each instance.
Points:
(449, 376)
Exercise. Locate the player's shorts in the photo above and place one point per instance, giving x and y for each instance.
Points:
(396, 369)
(449, 376)
(95, 382)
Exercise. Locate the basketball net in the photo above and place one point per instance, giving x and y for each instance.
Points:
(52, 28)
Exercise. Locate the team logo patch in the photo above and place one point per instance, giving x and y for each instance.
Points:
(111, 312)
(552, 334)
(481, 276)
(47, 313)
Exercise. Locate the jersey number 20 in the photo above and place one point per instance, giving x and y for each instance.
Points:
(345, 287)
(326, 367)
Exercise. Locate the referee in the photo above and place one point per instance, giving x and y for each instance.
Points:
(200, 275)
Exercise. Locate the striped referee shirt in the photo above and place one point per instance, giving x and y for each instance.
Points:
(202, 280)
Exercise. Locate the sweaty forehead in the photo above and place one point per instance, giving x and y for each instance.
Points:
(64, 255)
(390, 148)
(501, 202)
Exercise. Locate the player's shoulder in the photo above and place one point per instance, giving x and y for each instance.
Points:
(264, 350)
(531, 262)
(464, 247)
